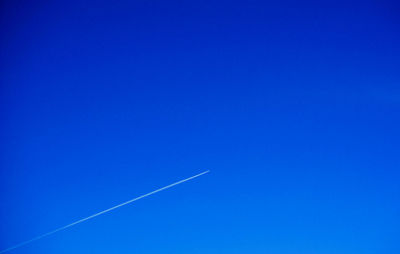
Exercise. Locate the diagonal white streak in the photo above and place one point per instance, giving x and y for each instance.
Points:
(102, 212)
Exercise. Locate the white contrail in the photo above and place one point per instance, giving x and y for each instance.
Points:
(105, 211)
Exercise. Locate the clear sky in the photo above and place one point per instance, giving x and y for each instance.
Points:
(294, 106)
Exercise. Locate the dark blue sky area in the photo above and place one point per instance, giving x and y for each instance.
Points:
(294, 106)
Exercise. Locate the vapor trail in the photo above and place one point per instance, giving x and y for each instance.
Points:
(99, 213)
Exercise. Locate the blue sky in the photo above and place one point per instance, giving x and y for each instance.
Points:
(293, 105)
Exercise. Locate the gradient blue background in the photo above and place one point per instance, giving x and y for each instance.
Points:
(294, 106)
